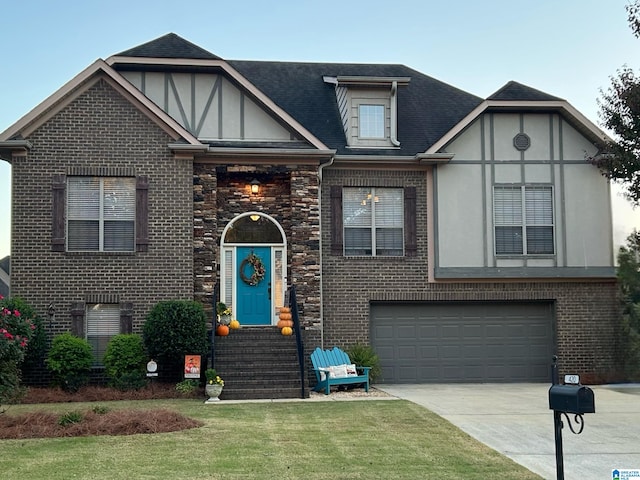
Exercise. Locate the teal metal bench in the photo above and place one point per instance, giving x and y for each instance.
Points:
(324, 359)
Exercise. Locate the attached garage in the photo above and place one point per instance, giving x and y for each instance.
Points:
(474, 342)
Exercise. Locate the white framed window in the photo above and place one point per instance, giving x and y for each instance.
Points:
(373, 221)
(101, 214)
(371, 121)
(102, 323)
(523, 220)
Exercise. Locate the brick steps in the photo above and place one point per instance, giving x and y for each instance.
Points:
(258, 363)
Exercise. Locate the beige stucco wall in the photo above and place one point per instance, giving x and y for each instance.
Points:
(485, 156)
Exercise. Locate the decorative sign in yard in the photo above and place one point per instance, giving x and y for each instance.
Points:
(152, 369)
(192, 366)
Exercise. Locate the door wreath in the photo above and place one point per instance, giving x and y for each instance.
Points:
(258, 270)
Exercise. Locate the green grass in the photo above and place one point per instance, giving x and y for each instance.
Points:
(310, 440)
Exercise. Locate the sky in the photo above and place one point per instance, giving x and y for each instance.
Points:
(567, 48)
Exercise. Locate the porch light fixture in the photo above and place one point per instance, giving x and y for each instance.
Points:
(255, 186)
(254, 218)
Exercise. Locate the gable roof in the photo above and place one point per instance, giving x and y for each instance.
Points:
(430, 113)
(427, 108)
(515, 91)
(169, 46)
(516, 97)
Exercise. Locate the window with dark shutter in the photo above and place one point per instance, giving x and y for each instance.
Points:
(100, 214)
(142, 214)
(336, 220)
(58, 213)
(373, 221)
(410, 222)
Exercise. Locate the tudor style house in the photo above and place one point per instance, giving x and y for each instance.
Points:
(464, 239)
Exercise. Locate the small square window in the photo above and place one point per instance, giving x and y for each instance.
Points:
(371, 121)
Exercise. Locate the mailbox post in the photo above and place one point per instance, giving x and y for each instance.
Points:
(565, 399)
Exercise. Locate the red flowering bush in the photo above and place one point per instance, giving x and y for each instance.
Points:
(15, 332)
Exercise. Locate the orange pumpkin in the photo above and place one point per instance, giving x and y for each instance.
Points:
(285, 310)
(285, 316)
(234, 324)
(222, 330)
(285, 323)
(287, 331)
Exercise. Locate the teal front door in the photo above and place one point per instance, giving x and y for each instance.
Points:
(253, 299)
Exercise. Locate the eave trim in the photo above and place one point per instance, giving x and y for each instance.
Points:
(45, 109)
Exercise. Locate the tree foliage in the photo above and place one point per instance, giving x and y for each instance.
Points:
(620, 113)
(629, 280)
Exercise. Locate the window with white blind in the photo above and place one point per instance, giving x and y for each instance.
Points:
(373, 221)
(102, 323)
(523, 219)
(101, 214)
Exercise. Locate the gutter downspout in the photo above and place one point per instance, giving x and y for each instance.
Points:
(394, 114)
(320, 168)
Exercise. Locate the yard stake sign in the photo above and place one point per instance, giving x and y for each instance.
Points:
(192, 366)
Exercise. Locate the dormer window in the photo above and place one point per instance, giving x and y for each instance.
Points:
(368, 107)
(371, 121)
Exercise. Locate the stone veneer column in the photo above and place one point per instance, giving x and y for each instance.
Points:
(205, 224)
(304, 243)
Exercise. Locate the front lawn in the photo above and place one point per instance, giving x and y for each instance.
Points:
(289, 440)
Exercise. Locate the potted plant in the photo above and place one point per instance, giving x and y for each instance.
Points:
(224, 313)
(213, 387)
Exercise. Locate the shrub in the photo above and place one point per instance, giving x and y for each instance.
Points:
(70, 360)
(365, 356)
(125, 362)
(174, 329)
(187, 387)
(100, 409)
(69, 418)
(37, 343)
(16, 330)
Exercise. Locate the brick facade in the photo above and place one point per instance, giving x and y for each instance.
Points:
(99, 132)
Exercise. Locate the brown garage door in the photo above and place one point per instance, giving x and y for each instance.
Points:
(463, 342)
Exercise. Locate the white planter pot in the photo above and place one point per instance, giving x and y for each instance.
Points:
(213, 391)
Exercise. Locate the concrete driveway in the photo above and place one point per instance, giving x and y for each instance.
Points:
(515, 420)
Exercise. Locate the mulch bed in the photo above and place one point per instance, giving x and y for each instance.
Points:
(122, 422)
(105, 394)
(100, 420)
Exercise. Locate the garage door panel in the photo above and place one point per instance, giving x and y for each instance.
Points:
(463, 342)
(427, 331)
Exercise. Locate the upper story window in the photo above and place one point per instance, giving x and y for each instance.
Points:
(523, 219)
(373, 220)
(101, 214)
(371, 121)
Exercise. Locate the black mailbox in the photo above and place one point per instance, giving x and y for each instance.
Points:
(571, 399)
